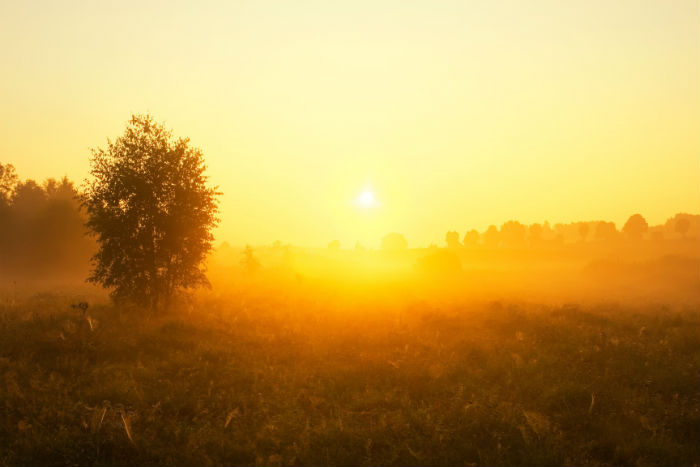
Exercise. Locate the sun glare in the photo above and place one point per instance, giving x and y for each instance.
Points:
(366, 199)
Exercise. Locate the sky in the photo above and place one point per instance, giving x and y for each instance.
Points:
(454, 115)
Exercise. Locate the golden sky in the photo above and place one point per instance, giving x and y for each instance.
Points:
(455, 115)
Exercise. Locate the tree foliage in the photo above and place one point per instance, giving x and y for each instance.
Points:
(151, 208)
(682, 226)
(394, 242)
(636, 226)
(513, 233)
(249, 262)
(452, 239)
(471, 238)
(8, 181)
(492, 237)
(42, 231)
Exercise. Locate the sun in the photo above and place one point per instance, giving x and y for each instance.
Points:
(366, 199)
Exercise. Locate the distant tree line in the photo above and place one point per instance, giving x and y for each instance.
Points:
(42, 228)
(515, 234)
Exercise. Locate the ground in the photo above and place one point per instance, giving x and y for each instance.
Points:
(245, 380)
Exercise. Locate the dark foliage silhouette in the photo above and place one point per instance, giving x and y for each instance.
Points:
(42, 229)
(513, 233)
(492, 237)
(535, 233)
(452, 239)
(605, 231)
(635, 227)
(152, 212)
(394, 242)
(583, 229)
(682, 226)
(471, 238)
(249, 262)
(8, 181)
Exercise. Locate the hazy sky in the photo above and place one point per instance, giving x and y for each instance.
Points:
(455, 114)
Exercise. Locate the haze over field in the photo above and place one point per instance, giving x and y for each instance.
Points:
(373, 233)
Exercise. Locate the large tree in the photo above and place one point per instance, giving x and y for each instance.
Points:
(152, 210)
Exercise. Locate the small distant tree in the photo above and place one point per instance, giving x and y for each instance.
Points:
(583, 229)
(682, 226)
(152, 211)
(635, 227)
(513, 233)
(452, 239)
(535, 234)
(471, 238)
(249, 262)
(334, 245)
(605, 231)
(394, 242)
(547, 231)
(492, 237)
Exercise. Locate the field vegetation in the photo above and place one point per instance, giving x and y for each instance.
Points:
(577, 344)
(270, 368)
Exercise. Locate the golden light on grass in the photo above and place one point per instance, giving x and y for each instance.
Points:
(350, 233)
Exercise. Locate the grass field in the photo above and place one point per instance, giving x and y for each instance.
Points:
(284, 380)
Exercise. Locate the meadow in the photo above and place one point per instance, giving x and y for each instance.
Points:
(318, 233)
(289, 370)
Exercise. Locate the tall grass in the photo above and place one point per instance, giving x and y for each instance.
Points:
(241, 381)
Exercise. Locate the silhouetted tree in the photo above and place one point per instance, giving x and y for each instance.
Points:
(152, 211)
(535, 234)
(394, 242)
(492, 237)
(671, 227)
(42, 229)
(8, 181)
(635, 227)
(63, 217)
(561, 231)
(605, 231)
(583, 229)
(471, 238)
(513, 233)
(249, 262)
(334, 245)
(61, 190)
(547, 231)
(452, 239)
(28, 199)
(682, 226)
